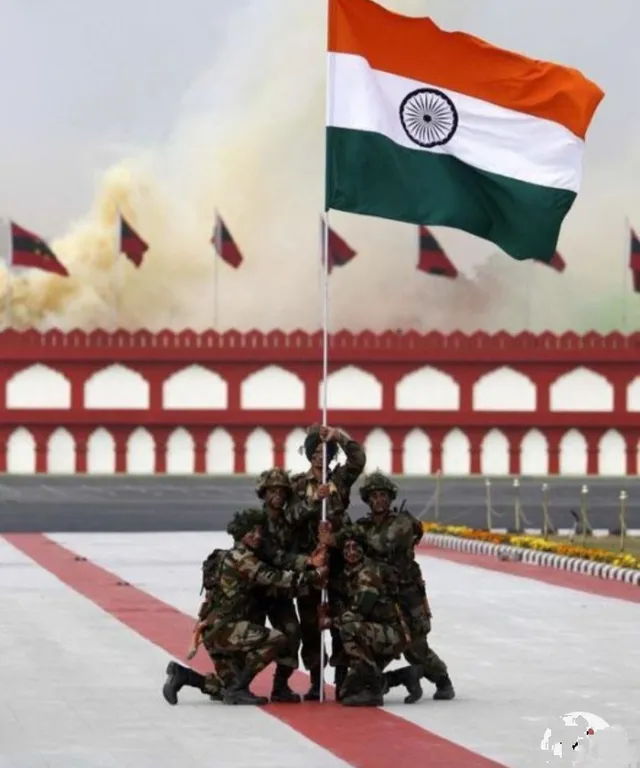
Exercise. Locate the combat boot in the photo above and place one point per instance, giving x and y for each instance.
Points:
(371, 695)
(444, 689)
(339, 678)
(177, 677)
(238, 691)
(313, 694)
(409, 677)
(281, 693)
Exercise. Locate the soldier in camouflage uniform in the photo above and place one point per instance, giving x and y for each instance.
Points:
(224, 628)
(372, 629)
(310, 491)
(391, 536)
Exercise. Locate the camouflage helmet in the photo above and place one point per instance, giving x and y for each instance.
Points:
(273, 478)
(377, 481)
(312, 441)
(244, 522)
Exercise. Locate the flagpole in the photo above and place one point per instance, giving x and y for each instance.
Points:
(218, 247)
(625, 266)
(116, 271)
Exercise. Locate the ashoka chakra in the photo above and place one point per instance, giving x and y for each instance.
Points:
(429, 117)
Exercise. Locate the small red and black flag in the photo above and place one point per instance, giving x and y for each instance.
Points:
(634, 259)
(131, 244)
(431, 257)
(225, 245)
(557, 263)
(339, 252)
(29, 250)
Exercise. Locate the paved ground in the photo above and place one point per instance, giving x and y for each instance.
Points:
(128, 504)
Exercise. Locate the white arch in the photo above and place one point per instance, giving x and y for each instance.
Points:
(378, 448)
(195, 388)
(456, 453)
(573, 453)
(220, 453)
(116, 387)
(141, 452)
(61, 452)
(427, 389)
(612, 454)
(21, 452)
(294, 461)
(494, 454)
(181, 453)
(504, 390)
(534, 454)
(581, 390)
(38, 386)
(101, 453)
(274, 388)
(259, 453)
(352, 388)
(416, 453)
(633, 395)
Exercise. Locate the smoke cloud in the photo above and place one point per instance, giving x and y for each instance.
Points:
(216, 107)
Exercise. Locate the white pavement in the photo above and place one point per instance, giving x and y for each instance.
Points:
(84, 690)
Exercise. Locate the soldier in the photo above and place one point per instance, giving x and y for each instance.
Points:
(372, 630)
(391, 536)
(224, 628)
(310, 491)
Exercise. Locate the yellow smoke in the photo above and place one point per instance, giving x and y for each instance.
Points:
(249, 141)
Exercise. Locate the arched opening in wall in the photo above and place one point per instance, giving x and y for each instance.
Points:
(38, 386)
(581, 391)
(456, 453)
(194, 388)
(272, 388)
(534, 454)
(494, 454)
(612, 454)
(351, 388)
(427, 389)
(141, 453)
(101, 453)
(116, 387)
(633, 395)
(220, 453)
(259, 453)
(573, 453)
(416, 453)
(61, 453)
(504, 390)
(21, 452)
(294, 460)
(378, 449)
(181, 453)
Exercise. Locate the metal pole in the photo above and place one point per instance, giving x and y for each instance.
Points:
(583, 512)
(623, 519)
(545, 511)
(517, 511)
(487, 484)
(438, 492)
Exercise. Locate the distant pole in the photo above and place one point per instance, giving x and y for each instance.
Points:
(584, 508)
(517, 512)
(438, 492)
(487, 484)
(623, 519)
(545, 511)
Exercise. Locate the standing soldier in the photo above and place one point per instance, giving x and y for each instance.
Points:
(372, 629)
(391, 537)
(227, 627)
(310, 491)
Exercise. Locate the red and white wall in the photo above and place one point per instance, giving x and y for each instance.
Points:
(232, 403)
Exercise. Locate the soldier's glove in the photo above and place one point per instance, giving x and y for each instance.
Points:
(324, 617)
(325, 536)
(325, 622)
(323, 574)
(318, 557)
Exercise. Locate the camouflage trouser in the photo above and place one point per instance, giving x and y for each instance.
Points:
(246, 645)
(369, 647)
(282, 616)
(415, 610)
(310, 632)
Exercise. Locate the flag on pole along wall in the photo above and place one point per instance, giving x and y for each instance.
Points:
(432, 258)
(339, 252)
(634, 259)
(225, 245)
(442, 128)
(131, 244)
(30, 250)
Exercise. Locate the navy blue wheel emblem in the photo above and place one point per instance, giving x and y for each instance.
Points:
(429, 117)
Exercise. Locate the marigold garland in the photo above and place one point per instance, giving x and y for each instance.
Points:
(535, 542)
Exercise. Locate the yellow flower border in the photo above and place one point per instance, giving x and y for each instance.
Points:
(536, 542)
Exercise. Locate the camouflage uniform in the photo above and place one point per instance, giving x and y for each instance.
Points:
(227, 628)
(371, 628)
(391, 538)
(305, 484)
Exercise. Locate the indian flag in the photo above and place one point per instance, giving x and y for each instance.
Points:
(441, 128)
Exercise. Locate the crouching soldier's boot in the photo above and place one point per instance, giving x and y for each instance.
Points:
(238, 691)
(444, 689)
(371, 694)
(409, 677)
(339, 678)
(177, 677)
(281, 692)
(313, 694)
